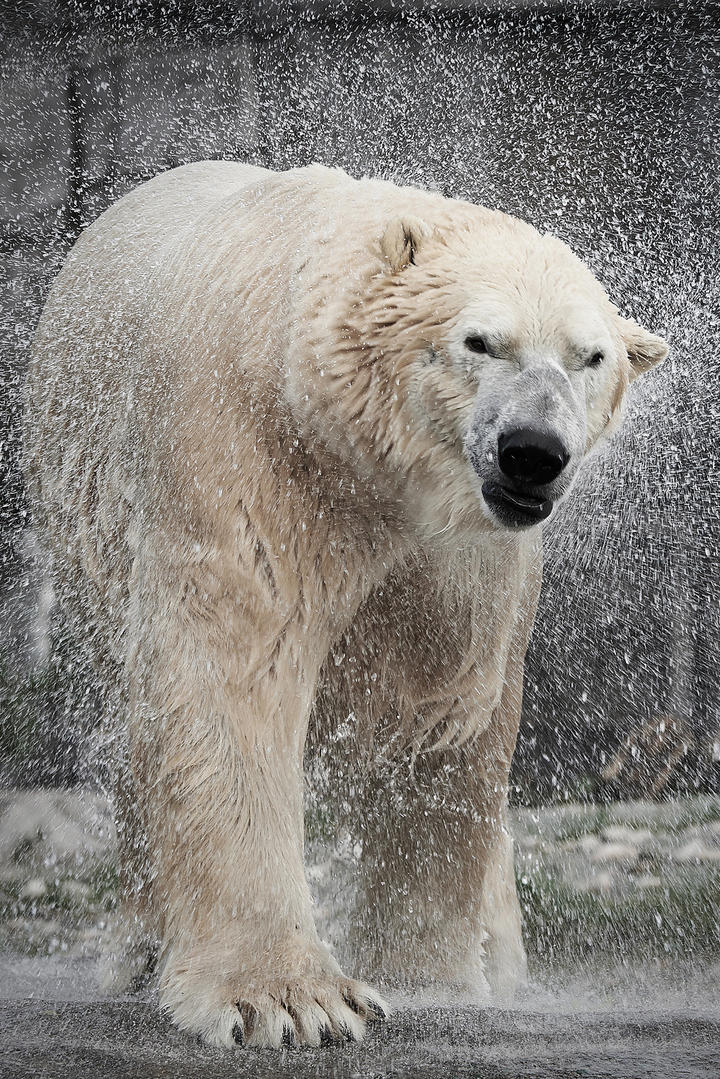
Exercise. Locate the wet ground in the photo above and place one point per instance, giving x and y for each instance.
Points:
(49, 1032)
(621, 921)
(128, 1040)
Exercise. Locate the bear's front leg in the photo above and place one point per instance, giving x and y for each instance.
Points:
(216, 747)
(438, 904)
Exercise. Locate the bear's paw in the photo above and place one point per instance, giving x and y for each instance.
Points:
(298, 1011)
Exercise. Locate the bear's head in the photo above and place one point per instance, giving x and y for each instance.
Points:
(476, 366)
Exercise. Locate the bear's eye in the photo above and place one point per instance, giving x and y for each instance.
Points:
(475, 343)
(596, 359)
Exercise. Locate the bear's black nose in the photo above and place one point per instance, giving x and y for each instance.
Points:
(530, 456)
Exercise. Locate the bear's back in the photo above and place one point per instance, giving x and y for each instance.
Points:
(179, 295)
(85, 374)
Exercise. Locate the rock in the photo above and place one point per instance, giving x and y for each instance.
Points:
(601, 882)
(696, 851)
(647, 880)
(586, 843)
(615, 852)
(621, 833)
(35, 888)
(53, 825)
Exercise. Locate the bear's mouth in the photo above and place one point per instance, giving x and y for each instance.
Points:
(516, 509)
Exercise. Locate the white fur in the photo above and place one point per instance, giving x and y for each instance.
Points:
(249, 413)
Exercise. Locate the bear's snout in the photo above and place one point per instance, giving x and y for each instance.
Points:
(522, 491)
(527, 455)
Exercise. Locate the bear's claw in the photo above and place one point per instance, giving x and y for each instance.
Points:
(310, 1015)
(311, 1008)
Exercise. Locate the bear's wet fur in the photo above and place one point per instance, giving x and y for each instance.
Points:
(250, 409)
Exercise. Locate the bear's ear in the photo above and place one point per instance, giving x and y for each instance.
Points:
(401, 241)
(644, 349)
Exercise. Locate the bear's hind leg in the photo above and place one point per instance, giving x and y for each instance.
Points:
(418, 921)
(439, 904)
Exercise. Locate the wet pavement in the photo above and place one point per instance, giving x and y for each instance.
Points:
(620, 907)
(131, 1040)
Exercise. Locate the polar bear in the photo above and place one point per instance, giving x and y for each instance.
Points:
(291, 438)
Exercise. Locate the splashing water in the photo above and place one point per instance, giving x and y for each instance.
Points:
(600, 126)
